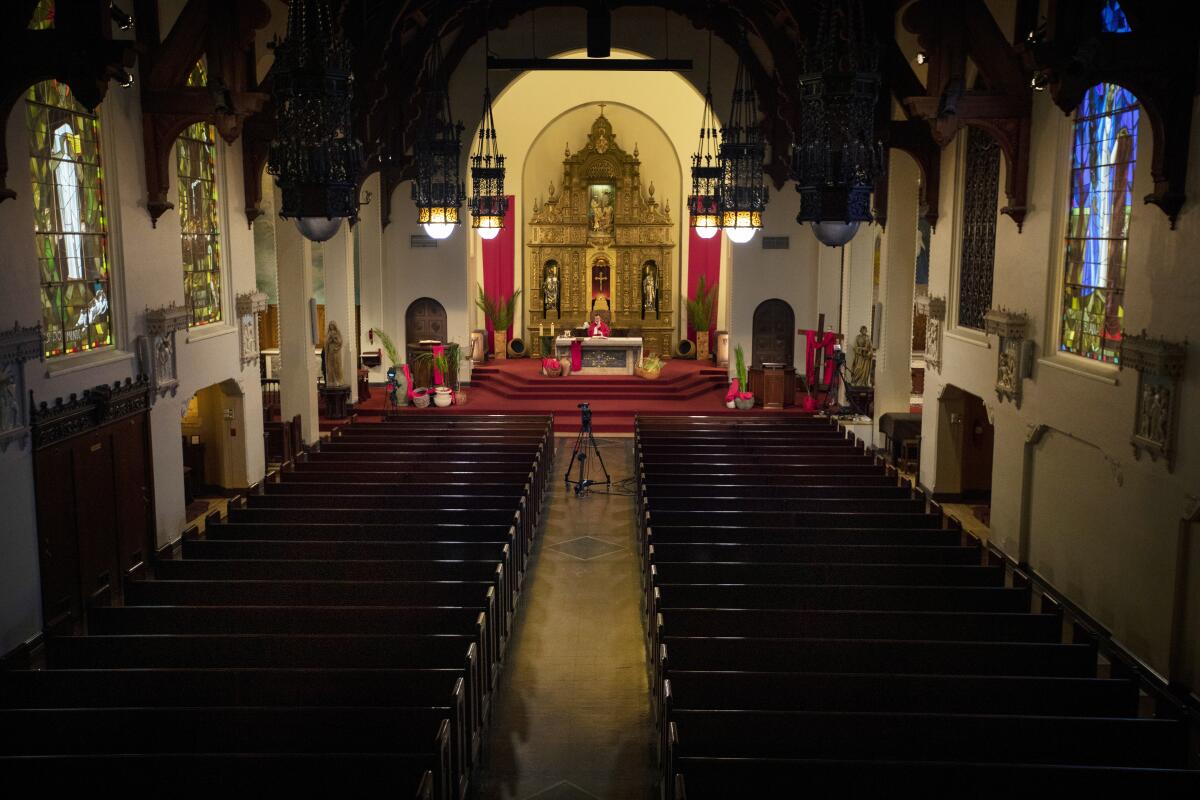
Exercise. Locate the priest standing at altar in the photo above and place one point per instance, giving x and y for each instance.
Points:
(597, 327)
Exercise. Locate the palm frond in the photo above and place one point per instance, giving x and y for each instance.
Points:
(388, 345)
(700, 308)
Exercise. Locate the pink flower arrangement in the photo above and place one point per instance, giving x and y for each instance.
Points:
(733, 391)
(745, 395)
(551, 366)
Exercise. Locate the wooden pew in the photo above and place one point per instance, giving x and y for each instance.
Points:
(893, 692)
(867, 736)
(421, 732)
(201, 776)
(720, 778)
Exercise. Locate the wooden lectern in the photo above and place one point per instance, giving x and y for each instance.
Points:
(774, 385)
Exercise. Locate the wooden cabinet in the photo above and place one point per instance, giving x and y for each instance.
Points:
(774, 385)
(95, 500)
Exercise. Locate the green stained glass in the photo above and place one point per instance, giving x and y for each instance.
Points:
(43, 16)
(70, 225)
(196, 163)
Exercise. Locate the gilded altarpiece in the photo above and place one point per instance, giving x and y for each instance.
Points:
(600, 228)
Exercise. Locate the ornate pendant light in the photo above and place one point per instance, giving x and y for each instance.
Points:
(836, 156)
(488, 201)
(314, 156)
(742, 194)
(438, 191)
(706, 168)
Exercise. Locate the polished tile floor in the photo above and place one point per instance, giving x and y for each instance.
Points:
(572, 718)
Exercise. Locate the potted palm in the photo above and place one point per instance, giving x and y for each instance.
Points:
(744, 400)
(500, 313)
(445, 364)
(699, 311)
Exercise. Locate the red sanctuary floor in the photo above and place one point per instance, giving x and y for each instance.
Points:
(517, 385)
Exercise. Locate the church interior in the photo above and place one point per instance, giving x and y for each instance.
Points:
(601, 399)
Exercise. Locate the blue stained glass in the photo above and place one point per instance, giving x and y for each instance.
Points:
(1103, 156)
(1112, 18)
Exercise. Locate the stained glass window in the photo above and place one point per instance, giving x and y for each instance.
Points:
(70, 227)
(1102, 161)
(196, 158)
(1112, 18)
(43, 16)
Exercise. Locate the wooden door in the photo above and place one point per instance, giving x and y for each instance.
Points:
(774, 333)
(425, 319)
(95, 507)
(978, 443)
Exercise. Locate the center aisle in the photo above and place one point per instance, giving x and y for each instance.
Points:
(573, 719)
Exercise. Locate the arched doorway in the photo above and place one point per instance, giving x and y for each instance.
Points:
(773, 333)
(425, 320)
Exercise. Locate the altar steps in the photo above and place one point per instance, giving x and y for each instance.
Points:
(674, 384)
(517, 386)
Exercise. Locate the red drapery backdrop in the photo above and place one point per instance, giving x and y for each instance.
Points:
(498, 266)
(704, 258)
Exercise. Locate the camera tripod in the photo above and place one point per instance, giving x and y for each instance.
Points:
(584, 442)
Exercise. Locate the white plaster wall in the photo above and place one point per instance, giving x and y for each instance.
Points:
(791, 275)
(146, 273)
(1101, 526)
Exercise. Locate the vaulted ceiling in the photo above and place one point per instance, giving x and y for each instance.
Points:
(392, 40)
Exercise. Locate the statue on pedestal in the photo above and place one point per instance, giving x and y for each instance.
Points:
(333, 356)
(860, 367)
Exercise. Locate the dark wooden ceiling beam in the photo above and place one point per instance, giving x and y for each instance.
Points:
(223, 32)
(1156, 62)
(950, 31)
(79, 51)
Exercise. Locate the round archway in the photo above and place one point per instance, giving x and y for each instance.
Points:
(773, 333)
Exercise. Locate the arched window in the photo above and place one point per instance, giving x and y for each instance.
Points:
(196, 158)
(69, 222)
(1103, 154)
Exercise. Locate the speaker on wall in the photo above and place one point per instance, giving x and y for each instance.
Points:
(876, 324)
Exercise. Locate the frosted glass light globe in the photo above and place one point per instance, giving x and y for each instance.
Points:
(834, 234)
(439, 230)
(740, 235)
(707, 232)
(318, 229)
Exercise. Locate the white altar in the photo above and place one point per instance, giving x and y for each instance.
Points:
(614, 355)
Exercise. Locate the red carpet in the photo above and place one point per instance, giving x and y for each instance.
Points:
(517, 386)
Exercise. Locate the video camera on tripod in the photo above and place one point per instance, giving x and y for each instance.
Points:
(579, 454)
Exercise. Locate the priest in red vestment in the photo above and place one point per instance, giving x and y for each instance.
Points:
(597, 327)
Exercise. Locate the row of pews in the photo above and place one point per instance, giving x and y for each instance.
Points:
(816, 628)
(340, 633)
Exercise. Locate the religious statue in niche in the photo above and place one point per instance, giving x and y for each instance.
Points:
(860, 367)
(1155, 408)
(1010, 326)
(164, 359)
(9, 408)
(601, 285)
(551, 296)
(1159, 364)
(650, 288)
(600, 208)
(333, 356)
(17, 346)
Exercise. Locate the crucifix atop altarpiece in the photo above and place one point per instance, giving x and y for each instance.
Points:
(590, 241)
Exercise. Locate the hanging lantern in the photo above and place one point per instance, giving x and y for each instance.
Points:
(314, 157)
(437, 191)
(836, 156)
(706, 168)
(741, 193)
(488, 202)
